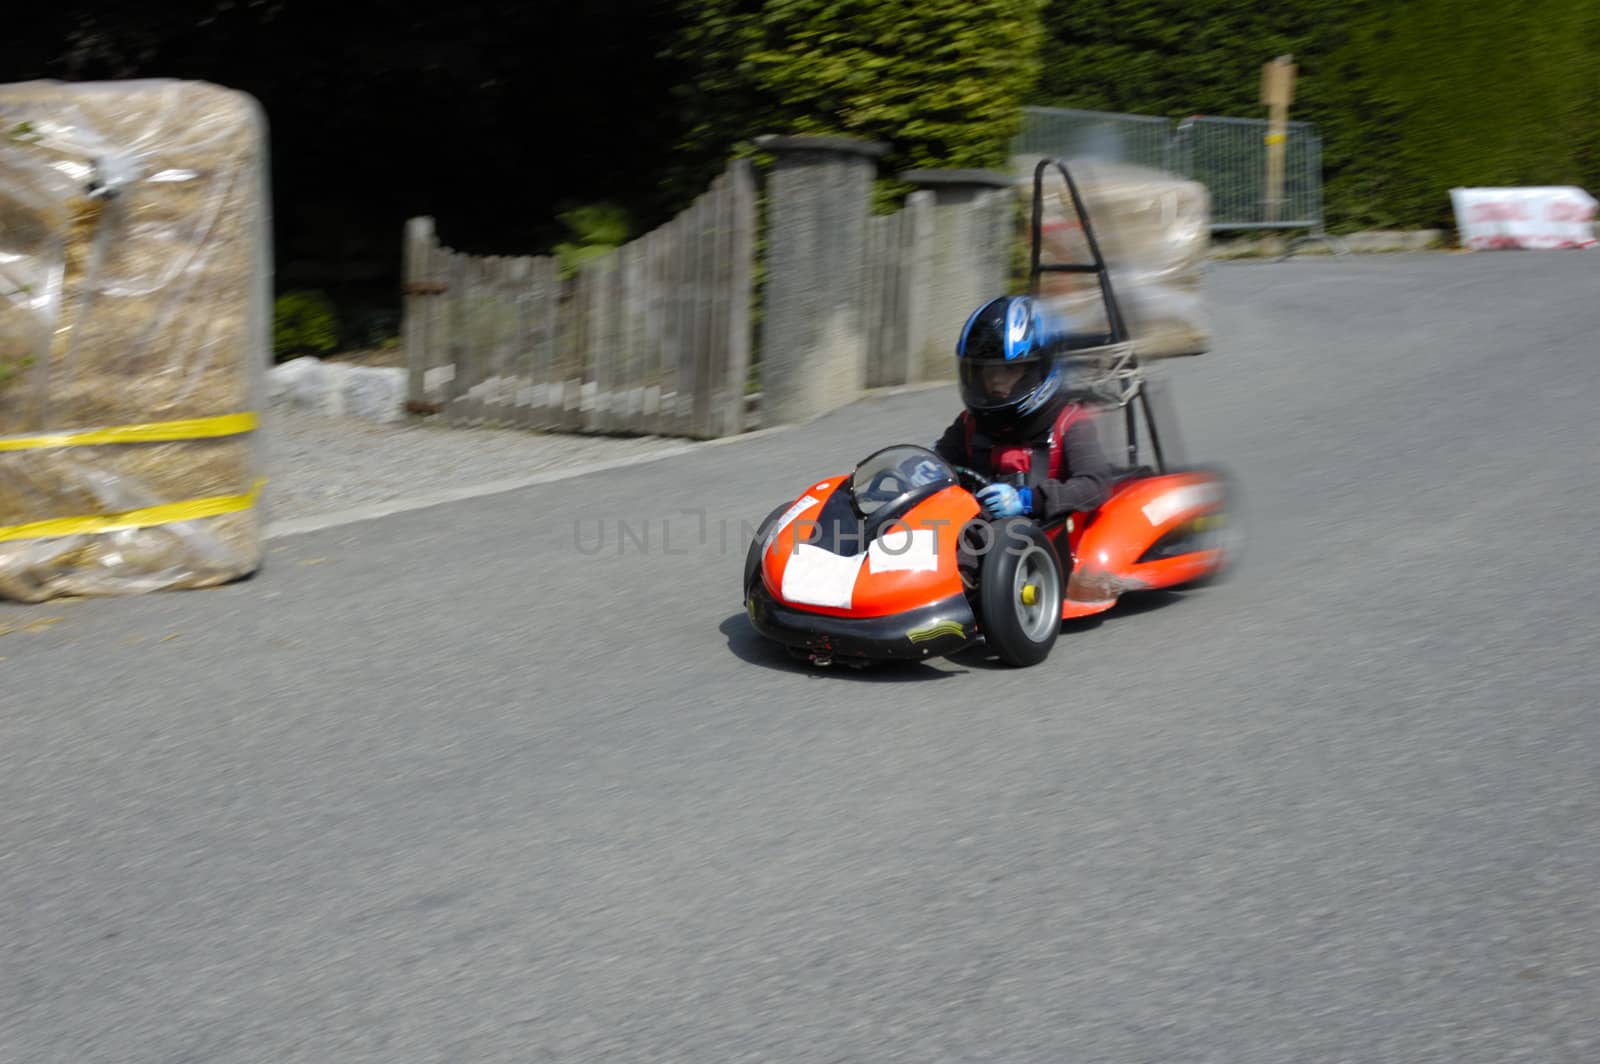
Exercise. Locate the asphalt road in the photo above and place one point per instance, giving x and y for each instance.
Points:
(476, 783)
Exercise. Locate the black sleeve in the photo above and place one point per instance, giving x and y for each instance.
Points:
(952, 446)
(1089, 477)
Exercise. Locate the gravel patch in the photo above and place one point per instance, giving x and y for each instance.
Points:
(320, 465)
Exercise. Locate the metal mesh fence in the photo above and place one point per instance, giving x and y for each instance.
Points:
(1065, 133)
(1227, 155)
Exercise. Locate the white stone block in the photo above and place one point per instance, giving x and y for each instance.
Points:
(297, 381)
(375, 393)
(436, 382)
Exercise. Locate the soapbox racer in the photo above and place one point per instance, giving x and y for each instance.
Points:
(896, 559)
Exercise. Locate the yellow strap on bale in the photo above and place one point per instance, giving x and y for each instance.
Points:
(155, 432)
(170, 513)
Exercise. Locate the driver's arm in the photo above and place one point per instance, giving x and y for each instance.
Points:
(952, 446)
(1089, 479)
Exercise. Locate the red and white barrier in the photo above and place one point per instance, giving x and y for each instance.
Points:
(1524, 218)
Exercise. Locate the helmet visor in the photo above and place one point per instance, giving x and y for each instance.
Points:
(994, 385)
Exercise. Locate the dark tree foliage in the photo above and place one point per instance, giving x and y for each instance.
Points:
(941, 82)
(1411, 98)
(500, 119)
(492, 116)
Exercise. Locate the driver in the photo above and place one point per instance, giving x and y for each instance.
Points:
(1019, 423)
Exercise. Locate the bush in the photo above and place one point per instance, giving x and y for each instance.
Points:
(369, 326)
(1411, 99)
(303, 323)
(940, 81)
(597, 229)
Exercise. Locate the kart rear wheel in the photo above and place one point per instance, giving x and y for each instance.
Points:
(1019, 593)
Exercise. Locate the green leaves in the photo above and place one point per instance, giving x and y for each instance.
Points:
(1500, 93)
(941, 81)
(1410, 99)
(303, 323)
(597, 229)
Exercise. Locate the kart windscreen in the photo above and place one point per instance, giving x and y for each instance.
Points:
(896, 473)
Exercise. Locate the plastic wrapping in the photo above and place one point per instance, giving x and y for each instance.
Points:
(1153, 229)
(1524, 218)
(135, 287)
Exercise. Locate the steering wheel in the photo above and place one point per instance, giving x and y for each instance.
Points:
(971, 479)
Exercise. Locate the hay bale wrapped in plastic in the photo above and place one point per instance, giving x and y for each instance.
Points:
(1153, 229)
(135, 280)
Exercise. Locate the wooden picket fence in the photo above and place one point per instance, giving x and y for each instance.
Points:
(652, 338)
(927, 268)
(899, 270)
(655, 337)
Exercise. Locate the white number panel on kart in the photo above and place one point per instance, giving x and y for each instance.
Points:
(902, 550)
(1178, 500)
(816, 577)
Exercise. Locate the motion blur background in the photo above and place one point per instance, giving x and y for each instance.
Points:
(531, 127)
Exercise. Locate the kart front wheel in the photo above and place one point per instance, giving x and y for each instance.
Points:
(1019, 593)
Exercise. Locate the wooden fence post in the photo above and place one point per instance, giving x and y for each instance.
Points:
(468, 285)
(917, 281)
(876, 255)
(439, 330)
(741, 278)
(614, 340)
(510, 282)
(594, 375)
(547, 361)
(693, 324)
(895, 296)
(709, 309)
(671, 267)
(662, 318)
(1277, 92)
(421, 296)
(459, 327)
(572, 352)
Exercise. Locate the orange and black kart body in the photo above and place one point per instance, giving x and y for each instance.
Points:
(896, 560)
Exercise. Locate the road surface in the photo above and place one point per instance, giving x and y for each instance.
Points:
(512, 779)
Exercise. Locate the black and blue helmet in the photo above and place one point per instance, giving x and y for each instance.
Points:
(1019, 334)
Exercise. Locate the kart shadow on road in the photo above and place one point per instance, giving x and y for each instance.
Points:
(750, 646)
(1130, 605)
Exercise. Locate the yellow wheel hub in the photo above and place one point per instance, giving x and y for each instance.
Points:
(1030, 594)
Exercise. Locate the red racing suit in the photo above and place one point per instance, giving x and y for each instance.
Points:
(1065, 466)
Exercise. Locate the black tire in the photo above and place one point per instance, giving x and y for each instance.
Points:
(1020, 632)
(752, 556)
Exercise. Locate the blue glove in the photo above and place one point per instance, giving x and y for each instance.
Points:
(926, 472)
(1002, 500)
